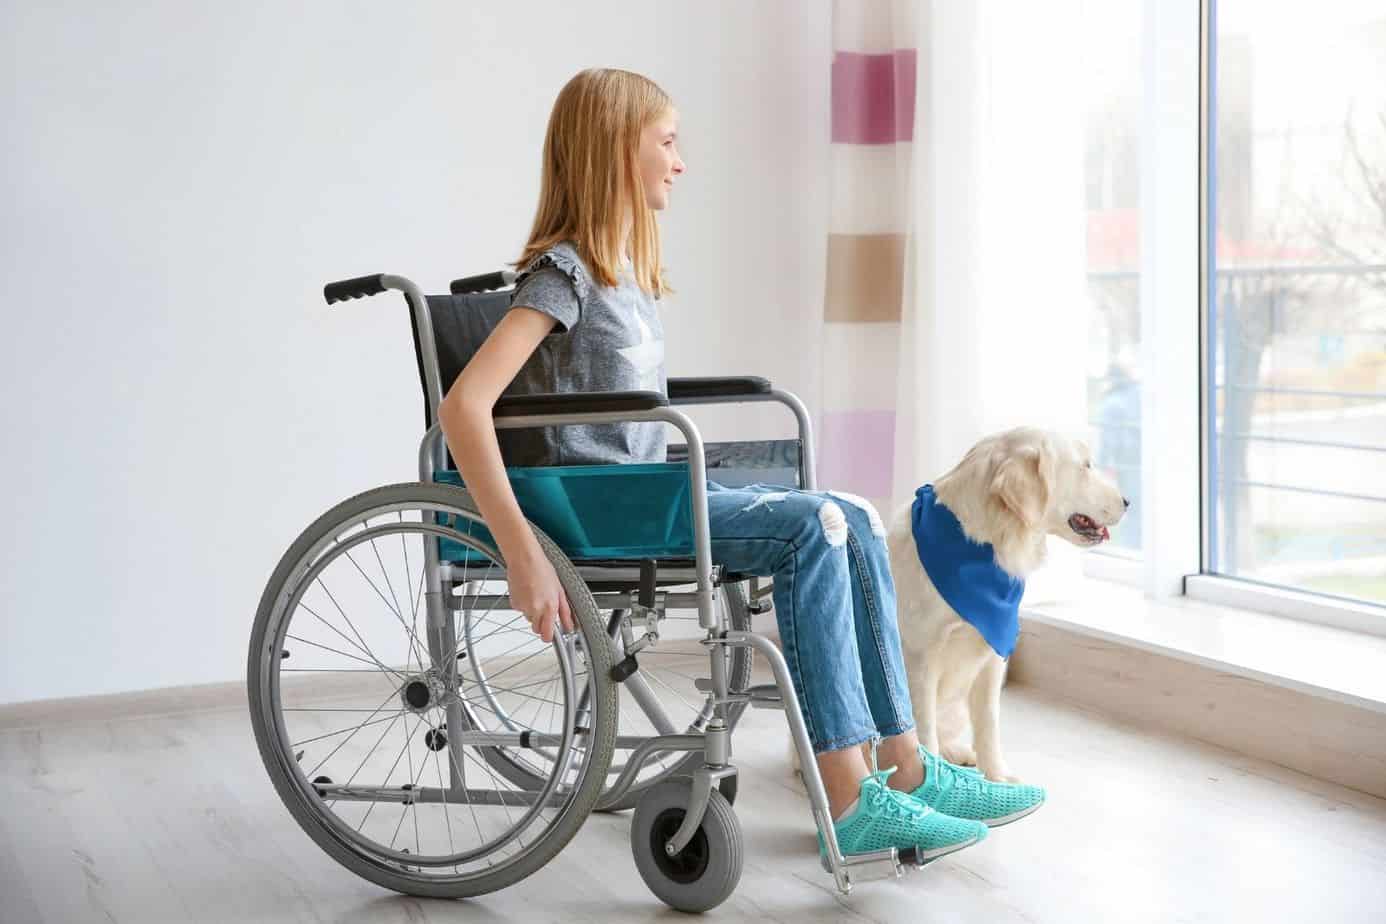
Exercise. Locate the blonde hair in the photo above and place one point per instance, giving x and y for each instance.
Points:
(591, 176)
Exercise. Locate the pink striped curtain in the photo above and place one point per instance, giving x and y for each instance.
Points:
(873, 113)
(954, 297)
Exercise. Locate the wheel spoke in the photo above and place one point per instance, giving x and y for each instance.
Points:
(315, 770)
(413, 638)
(343, 731)
(362, 646)
(351, 779)
(378, 666)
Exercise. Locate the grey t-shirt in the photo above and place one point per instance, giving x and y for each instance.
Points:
(608, 338)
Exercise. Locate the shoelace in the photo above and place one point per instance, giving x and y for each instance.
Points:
(953, 777)
(887, 801)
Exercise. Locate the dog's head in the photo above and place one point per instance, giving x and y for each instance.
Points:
(1047, 482)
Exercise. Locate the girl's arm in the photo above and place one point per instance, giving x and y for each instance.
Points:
(466, 420)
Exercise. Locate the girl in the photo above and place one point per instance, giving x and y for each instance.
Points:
(583, 318)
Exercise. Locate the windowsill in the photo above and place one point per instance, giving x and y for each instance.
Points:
(1336, 664)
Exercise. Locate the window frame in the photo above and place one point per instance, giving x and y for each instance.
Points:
(1179, 68)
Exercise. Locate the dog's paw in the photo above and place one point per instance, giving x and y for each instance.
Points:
(999, 775)
(960, 754)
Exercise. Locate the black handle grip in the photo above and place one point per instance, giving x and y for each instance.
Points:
(359, 287)
(486, 282)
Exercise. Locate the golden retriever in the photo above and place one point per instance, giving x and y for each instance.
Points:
(1011, 491)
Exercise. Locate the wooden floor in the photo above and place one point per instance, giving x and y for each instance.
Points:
(172, 818)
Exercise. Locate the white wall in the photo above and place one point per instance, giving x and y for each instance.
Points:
(181, 179)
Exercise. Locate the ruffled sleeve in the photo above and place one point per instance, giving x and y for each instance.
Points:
(554, 283)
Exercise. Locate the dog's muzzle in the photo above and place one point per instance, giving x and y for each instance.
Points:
(1088, 528)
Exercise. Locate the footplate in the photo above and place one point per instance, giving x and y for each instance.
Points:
(878, 864)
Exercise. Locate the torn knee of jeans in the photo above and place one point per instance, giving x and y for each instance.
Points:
(773, 497)
(861, 503)
(834, 523)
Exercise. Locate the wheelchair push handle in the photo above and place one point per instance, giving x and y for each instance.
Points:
(486, 282)
(360, 287)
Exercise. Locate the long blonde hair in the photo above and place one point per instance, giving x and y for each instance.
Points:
(591, 176)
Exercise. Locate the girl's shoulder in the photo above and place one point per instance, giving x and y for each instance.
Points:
(564, 258)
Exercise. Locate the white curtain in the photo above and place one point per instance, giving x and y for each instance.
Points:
(991, 330)
(994, 323)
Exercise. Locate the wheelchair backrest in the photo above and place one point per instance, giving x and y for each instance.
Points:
(461, 323)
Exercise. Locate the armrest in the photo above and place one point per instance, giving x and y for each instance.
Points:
(578, 402)
(687, 389)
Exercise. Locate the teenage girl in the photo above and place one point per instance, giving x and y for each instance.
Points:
(584, 317)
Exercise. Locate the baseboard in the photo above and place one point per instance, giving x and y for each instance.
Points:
(1317, 735)
(116, 706)
(1313, 734)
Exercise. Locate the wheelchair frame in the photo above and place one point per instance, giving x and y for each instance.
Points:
(576, 408)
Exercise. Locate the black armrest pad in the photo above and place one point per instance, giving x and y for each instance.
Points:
(579, 402)
(718, 387)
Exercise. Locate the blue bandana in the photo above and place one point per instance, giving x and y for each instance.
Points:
(966, 573)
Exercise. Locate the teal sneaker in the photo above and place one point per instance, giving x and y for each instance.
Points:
(965, 793)
(886, 818)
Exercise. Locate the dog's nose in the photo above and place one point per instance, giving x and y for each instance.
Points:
(1127, 502)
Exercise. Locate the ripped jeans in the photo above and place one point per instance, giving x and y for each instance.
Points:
(834, 602)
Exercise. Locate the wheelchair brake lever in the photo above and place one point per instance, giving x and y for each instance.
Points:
(649, 571)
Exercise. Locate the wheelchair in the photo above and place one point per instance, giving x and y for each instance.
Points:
(429, 741)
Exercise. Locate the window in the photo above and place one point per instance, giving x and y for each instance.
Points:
(1297, 297)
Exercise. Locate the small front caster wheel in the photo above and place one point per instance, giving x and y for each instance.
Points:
(706, 871)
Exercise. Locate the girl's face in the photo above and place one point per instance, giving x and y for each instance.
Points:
(659, 159)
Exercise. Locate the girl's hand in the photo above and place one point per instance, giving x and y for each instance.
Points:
(536, 592)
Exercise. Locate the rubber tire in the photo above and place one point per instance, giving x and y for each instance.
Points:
(724, 847)
(277, 763)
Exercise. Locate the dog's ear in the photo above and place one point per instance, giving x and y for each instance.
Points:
(1022, 483)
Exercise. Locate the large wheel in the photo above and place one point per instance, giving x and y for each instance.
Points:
(368, 711)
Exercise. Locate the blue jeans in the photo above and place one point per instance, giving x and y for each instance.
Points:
(834, 602)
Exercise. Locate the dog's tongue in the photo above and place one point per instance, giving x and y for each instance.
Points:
(1105, 535)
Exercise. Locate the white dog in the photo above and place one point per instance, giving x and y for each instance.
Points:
(1010, 492)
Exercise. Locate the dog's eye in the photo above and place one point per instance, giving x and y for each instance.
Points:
(1087, 464)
